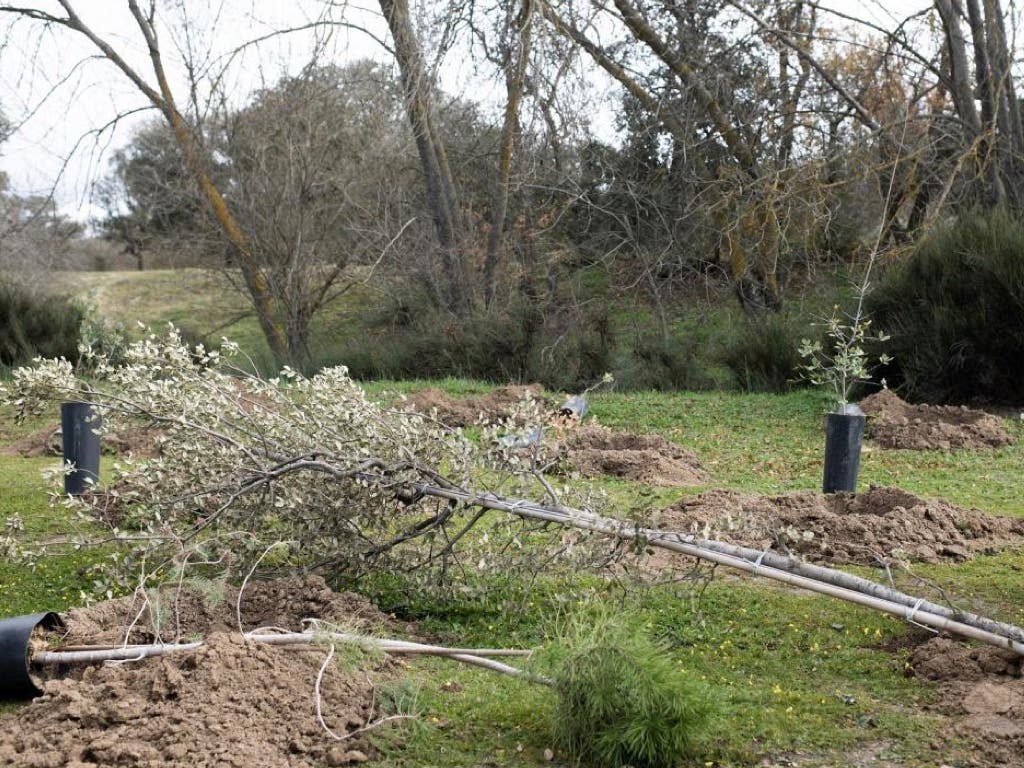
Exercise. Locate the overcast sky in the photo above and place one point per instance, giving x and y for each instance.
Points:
(55, 90)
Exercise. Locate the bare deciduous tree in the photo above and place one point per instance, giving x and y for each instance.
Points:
(194, 154)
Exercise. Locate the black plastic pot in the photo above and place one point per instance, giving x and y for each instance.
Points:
(81, 446)
(844, 434)
(15, 634)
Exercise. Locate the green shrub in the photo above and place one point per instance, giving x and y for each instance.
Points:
(411, 340)
(101, 334)
(678, 362)
(621, 699)
(35, 323)
(763, 354)
(955, 312)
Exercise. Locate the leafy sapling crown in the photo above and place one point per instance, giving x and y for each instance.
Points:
(842, 360)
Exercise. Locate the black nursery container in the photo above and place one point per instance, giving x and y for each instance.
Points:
(16, 680)
(81, 446)
(844, 434)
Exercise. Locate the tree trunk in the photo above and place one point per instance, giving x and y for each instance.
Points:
(163, 99)
(643, 31)
(516, 60)
(979, 133)
(430, 146)
(959, 71)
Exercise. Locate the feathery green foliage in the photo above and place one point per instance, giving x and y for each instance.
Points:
(622, 701)
(763, 354)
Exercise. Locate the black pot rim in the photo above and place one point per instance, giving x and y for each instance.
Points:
(16, 680)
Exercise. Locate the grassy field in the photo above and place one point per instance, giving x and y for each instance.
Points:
(796, 679)
(693, 346)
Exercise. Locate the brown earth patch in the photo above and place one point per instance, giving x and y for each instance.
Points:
(845, 528)
(231, 703)
(139, 442)
(172, 614)
(594, 450)
(42, 442)
(982, 688)
(893, 423)
(494, 407)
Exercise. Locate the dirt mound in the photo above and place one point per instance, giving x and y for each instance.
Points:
(945, 659)
(495, 406)
(42, 442)
(981, 686)
(170, 614)
(594, 450)
(139, 442)
(845, 528)
(230, 703)
(893, 423)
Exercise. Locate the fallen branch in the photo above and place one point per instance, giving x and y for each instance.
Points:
(825, 581)
(473, 656)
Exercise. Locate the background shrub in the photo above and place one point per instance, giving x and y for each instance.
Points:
(955, 311)
(762, 354)
(678, 361)
(36, 323)
(564, 349)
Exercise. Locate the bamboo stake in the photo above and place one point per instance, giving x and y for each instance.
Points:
(839, 585)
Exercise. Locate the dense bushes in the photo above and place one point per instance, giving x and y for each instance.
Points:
(955, 311)
(571, 348)
(562, 349)
(35, 323)
(762, 354)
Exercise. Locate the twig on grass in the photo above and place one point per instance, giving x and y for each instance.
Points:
(472, 656)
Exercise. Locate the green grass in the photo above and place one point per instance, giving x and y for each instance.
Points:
(56, 582)
(787, 673)
(700, 322)
(790, 673)
(775, 443)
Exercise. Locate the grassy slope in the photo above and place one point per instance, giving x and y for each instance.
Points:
(204, 302)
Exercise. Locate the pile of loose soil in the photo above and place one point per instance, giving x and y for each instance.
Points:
(594, 450)
(231, 703)
(893, 423)
(42, 442)
(983, 688)
(846, 528)
(138, 442)
(494, 407)
(172, 615)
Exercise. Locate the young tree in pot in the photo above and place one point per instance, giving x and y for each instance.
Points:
(840, 363)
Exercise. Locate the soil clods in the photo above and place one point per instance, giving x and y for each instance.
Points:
(231, 703)
(982, 687)
(893, 423)
(593, 451)
(497, 406)
(845, 528)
